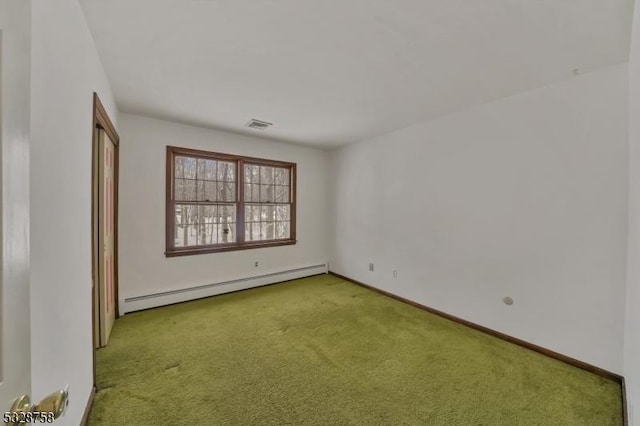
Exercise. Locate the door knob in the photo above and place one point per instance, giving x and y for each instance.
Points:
(51, 407)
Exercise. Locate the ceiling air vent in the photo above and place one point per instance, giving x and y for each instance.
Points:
(258, 124)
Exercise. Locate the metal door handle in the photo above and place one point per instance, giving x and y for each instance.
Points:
(51, 407)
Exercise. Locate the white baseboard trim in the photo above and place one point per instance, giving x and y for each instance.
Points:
(137, 303)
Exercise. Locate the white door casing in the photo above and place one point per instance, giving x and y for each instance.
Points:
(15, 52)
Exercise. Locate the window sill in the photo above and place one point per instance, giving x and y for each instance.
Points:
(188, 251)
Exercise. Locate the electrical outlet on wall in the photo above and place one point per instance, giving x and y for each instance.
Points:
(371, 266)
(256, 264)
(394, 273)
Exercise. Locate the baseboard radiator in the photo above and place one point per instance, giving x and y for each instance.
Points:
(154, 300)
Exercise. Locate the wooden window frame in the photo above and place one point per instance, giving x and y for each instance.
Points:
(240, 244)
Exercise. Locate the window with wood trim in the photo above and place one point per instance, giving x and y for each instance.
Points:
(221, 202)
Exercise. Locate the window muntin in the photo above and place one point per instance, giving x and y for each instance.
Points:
(219, 202)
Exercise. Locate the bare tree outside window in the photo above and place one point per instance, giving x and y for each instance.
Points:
(219, 202)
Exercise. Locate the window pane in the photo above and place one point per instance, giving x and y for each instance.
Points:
(192, 235)
(226, 232)
(181, 234)
(283, 213)
(200, 168)
(268, 230)
(207, 169)
(281, 176)
(267, 193)
(207, 214)
(282, 230)
(207, 191)
(226, 213)
(251, 173)
(178, 167)
(226, 171)
(186, 214)
(185, 190)
(211, 235)
(252, 232)
(226, 191)
(252, 213)
(251, 192)
(282, 194)
(266, 175)
(178, 236)
(203, 234)
(186, 235)
(185, 167)
(186, 220)
(268, 213)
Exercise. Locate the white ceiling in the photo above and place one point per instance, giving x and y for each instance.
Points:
(332, 72)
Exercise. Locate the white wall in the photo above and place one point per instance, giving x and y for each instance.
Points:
(66, 70)
(145, 270)
(523, 197)
(632, 325)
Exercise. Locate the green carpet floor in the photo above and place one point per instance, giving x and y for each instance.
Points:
(322, 351)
